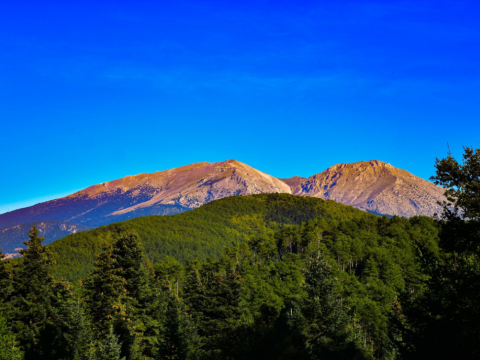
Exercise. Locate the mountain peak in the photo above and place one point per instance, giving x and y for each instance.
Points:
(374, 186)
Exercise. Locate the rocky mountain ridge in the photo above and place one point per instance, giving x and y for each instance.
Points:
(373, 186)
(160, 193)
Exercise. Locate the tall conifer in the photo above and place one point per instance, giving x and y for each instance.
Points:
(29, 304)
(105, 291)
(6, 277)
(326, 324)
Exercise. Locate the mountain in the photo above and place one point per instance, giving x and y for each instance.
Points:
(202, 232)
(12, 238)
(161, 193)
(374, 186)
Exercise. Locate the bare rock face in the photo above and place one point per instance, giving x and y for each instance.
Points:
(161, 193)
(368, 185)
(374, 186)
(193, 185)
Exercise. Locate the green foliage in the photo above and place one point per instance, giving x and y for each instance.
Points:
(28, 306)
(325, 321)
(343, 285)
(461, 183)
(109, 348)
(199, 233)
(179, 339)
(6, 278)
(105, 292)
(9, 349)
(444, 321)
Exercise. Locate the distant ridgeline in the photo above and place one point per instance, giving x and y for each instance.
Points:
(372, 186)
(202, 232)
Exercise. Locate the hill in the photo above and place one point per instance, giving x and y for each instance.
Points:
(373, 186)
(202, 232)
(160, 193)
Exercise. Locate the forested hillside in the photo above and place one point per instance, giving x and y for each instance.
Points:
(255, 298)
(283, 277)
(202, 232)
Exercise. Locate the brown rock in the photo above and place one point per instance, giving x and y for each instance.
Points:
(374, 186)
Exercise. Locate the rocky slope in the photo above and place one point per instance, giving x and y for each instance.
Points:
(12, 238)
(374, 186)
(161, 193)
(294, 181)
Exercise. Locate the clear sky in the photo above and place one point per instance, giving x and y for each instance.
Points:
(94, 91)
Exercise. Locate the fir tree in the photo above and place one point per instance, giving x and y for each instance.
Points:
(127, 252)
(105, 292)
(79, 335)
(142, 299)
(326, 323)
(179, 339)
(29, 304)
(6, 276)
(194, 292)
(173, 345)
(109, 348)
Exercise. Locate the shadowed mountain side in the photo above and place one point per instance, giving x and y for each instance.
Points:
(88, 211)
(202, 232)
(294, 181)
(12, 238)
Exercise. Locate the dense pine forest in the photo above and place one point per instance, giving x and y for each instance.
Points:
(256, 277)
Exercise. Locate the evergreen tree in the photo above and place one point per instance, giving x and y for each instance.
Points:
(173, 345)
(143, 298)
(194, 292)
(105, 292)
(109, 348)
(79, 337)
(127, 253)
(29, 304)
(325, 323)
(6, 277)
(179, 339)
(8, 346)
(445, 320)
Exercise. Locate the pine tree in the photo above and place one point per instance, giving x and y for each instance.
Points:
(179, 339)
(127, 252)
(173, 345)
(194, 292)
(29, 304)
(6, 277)
(326, 324)
(142, 299)
(79, 337)
(105, 292)
(109, 348)
(221, 314)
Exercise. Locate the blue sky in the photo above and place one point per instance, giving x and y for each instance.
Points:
(94, 91)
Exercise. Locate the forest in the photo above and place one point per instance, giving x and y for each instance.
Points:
(256, 277)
